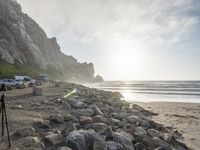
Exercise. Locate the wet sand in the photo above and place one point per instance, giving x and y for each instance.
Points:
(182, 116)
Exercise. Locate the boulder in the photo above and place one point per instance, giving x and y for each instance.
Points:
(107, 132)
(154, 133)
(98, 145)
(69, 127)
(114, 121)
(70, 117)
(101, 119)
(161, 142)
(85, 120)
(42, 125)
(177, 144)
(21, 86)
(37, 91)
(139, 131)
(124, 139)
(96, 126)
(97, 111)
(154, 142)
(54, 139)
(31, 142)
(145, 124)
(164, 148)
(122, 124)
(120, 116)
(25, 131)
(111, 145)
(83, 112)
(140, 146)
(75, 103)
(133, 119)
(57, 118)
(82, 139)
(9, 87)
(66, 105)
(148, 141)
(64, 148)
(58, 84)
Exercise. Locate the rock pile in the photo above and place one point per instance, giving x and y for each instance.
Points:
(99, 120)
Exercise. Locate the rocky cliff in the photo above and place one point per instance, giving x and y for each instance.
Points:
(23, 40)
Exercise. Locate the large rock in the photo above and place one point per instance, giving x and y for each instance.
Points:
(111, 145)
(97, 111)
(57, 118)
(101, 119)
(161, 142)
(54, 139)
(114, 121)
(85, 120)
(139, 131)
(133, 119)
(107, 132)
(177, 144)
(96, 126)
(83, 112)
(124, 139)
(154, 133)
(37, 91)
(140, 146)
(154, 142)
(30, 142)
(64, 148)
(25, 131)
(69, 127)
(82, 139)
(70, 117)
(121, 115)
(42, 125)
(75, 103)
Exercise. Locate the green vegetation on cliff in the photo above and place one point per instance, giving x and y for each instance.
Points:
(8, 71)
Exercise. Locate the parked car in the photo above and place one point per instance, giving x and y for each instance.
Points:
(25, 79)
(19, 81)
(9, 82)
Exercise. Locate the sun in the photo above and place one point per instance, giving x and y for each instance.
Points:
(127, 62)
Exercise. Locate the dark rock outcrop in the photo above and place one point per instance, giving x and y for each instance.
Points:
(23, 40)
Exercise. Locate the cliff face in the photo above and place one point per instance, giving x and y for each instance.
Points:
(24, 41)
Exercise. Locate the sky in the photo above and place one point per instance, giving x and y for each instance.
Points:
(126, 39)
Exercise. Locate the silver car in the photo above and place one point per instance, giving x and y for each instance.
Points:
(9, 82)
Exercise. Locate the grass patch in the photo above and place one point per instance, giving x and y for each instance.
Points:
(8, 70)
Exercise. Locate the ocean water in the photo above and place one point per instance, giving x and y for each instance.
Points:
(154, 91)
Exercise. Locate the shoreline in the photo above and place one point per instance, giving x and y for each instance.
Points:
(164, 102)
(181, 115)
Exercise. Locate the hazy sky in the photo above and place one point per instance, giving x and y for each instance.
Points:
(126, 39)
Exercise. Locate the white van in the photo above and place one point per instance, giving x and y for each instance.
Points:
(25, 79)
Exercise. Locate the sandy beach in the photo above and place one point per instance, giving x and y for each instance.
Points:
(185, 117)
